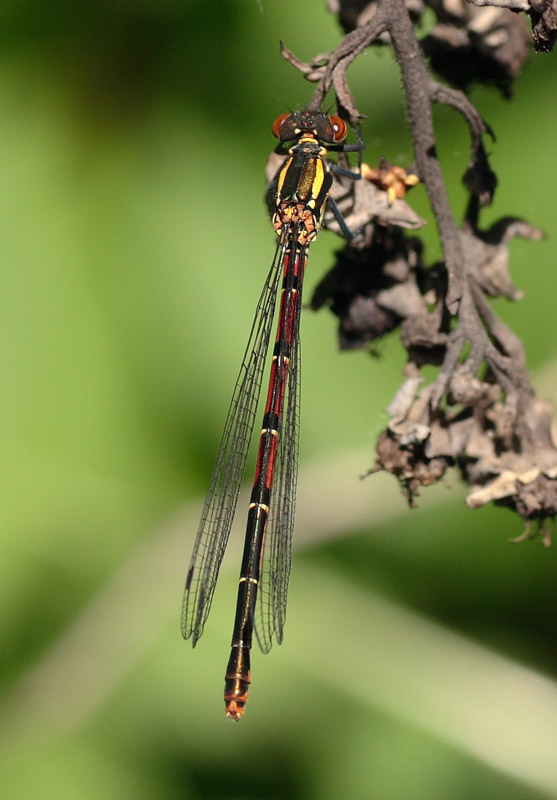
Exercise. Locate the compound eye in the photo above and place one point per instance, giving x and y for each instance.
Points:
(277, 123)
(340, 129)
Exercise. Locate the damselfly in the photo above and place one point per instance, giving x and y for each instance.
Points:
(301, 192)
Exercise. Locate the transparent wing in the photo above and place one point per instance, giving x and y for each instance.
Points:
(228, 473)
(270, 613)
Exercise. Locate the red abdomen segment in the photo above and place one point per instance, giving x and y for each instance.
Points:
(238, 676)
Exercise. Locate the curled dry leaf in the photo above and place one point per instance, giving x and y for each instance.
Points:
(408, 464)
(416, 447)
(421, 336)
(542, 13)
(364, 205)
(476, 45)
(487, 254)
(524, 478)
(421, 443)
(373, 288)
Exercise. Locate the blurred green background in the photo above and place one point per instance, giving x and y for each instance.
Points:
(420, 657)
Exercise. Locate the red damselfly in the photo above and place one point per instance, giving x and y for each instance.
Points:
(301, 191)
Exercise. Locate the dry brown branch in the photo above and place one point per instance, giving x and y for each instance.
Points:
(481, 412)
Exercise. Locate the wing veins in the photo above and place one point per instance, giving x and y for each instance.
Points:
(222, 497)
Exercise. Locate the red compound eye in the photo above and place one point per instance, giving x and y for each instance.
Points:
(340, 129)
(277, 123)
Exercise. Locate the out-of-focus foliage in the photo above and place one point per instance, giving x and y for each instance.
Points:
(133, 243)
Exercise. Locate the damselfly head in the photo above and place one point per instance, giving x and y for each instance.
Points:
(327, 129)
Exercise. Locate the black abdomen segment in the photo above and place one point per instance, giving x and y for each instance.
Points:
(238, 676)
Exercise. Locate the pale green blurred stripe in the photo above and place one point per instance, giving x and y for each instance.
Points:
(379, 654)
(484, 705)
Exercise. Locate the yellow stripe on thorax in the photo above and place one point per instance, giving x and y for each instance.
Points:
(318, 179)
